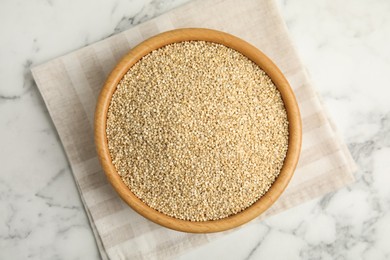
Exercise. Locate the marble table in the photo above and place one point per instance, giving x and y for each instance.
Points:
(345, 46)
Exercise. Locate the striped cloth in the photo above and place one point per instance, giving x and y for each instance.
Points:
(70, 85)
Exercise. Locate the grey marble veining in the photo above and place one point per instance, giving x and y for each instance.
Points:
(345, 48)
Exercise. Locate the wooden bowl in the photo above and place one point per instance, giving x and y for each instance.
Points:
(294, 142)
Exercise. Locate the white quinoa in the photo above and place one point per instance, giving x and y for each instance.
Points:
(197, 131)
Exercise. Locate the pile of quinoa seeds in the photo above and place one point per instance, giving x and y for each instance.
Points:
(197, 131)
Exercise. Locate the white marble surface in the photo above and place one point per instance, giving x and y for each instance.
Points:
(345, 45)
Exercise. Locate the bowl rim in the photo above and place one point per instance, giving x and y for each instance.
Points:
(254, 54)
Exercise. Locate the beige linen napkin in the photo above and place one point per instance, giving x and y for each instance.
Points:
(70, 86)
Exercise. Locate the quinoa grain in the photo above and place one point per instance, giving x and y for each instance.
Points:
(197, 131)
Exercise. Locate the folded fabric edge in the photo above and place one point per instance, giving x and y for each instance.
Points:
(98, 240)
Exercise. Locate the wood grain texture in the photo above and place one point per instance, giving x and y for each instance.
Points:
(293, 114)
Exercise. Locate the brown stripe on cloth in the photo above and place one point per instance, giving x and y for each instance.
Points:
(106, 208)
(119, 46)
(317, 186)
(80, 86)
(118, 235)
(133, 37)
(309, 107)
(127, 216)
(92, 69)
(332, 160)
(304, 92)
(317, 152)
(87, 167)
(104, 57)
(313, 121)
(186, 16)
(165, 248)
(92, 181)
(118, 219)
(318, 167)
(122, 234)
(100, 194)
(148, 29)
(78, 141)
(165, 25)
